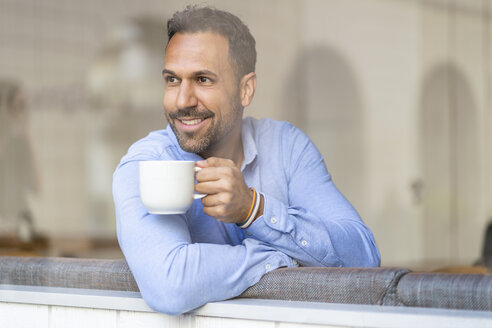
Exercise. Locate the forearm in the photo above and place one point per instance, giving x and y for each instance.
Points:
(333, 240)
(175, 276)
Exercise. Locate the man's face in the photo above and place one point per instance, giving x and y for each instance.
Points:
(201, 95)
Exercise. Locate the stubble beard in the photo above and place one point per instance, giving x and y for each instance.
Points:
(190, 142)
(199, 144)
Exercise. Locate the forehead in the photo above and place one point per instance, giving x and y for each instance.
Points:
(197, 51)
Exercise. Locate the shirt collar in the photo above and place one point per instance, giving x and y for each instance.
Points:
(249, 144)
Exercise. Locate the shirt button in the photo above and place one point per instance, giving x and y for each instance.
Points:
(273, 220)
(248, 233)
(267, 266)
(303, 243)
(294, 262)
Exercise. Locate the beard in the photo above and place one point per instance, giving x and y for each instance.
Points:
(201, 142)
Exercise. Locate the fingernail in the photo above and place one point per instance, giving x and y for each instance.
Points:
(201, 162)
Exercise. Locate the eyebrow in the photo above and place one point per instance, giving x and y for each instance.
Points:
(197, 73)
(169, 72)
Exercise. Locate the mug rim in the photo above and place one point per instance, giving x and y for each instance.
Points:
(167, 161)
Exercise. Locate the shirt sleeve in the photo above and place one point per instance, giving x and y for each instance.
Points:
(173, 274)
(318, 226)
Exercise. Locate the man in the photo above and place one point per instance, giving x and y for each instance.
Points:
(270, 201)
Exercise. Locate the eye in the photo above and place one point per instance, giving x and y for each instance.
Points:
(171, 79)
(204, 80)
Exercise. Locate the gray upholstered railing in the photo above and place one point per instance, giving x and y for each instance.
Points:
(67, 273)
(374, 286)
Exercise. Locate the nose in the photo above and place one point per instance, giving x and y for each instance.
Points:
(186, 95)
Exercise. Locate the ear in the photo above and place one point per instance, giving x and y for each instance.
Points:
(247, 88)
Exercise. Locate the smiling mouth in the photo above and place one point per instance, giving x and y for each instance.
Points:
(191, 121)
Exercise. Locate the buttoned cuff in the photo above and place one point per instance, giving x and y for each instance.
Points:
(272, 223)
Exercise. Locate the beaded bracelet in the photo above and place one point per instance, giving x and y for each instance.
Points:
(252, 212)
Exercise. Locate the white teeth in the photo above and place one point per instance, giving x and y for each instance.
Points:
(191, 122)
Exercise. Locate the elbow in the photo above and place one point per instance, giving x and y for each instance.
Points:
(168, 298)
(363, 260)
(370, 257)
(364, 255)
(165, 303)
(168, 288)
(369, 253)
(374, 258)
(377, 258)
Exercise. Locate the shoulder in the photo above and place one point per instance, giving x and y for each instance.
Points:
(281, 141)
(270, 127)
(156, 145)
(273, 133)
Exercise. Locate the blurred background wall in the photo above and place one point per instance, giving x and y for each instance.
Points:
(395, 93)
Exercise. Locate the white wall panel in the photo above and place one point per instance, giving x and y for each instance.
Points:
(129, 319)
(61, 317)
(301, 325)
(207, 322)
(325, 315)
(13, 315)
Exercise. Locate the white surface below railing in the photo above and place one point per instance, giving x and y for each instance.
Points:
(47, 307)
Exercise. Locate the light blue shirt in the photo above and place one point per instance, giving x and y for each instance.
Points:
(181, 262)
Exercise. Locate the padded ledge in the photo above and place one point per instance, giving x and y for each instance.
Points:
(450, 291)
(67, 273)
(374, 286)
(371, 286)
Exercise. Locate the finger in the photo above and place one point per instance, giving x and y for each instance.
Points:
(214, 187)
(216, 200)
(208, 187)
(207, 174)
(216, 173)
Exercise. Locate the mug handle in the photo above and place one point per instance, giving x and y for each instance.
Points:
(198, 196)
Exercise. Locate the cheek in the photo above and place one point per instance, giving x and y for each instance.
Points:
(207, 100)
(213, 99)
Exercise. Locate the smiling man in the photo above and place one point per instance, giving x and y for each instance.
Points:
(270, 201)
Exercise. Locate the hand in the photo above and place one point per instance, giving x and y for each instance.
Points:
(228, 197)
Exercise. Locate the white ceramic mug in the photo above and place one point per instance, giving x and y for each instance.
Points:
(168, 187)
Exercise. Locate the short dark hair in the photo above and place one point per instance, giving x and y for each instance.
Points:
(242, 45)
